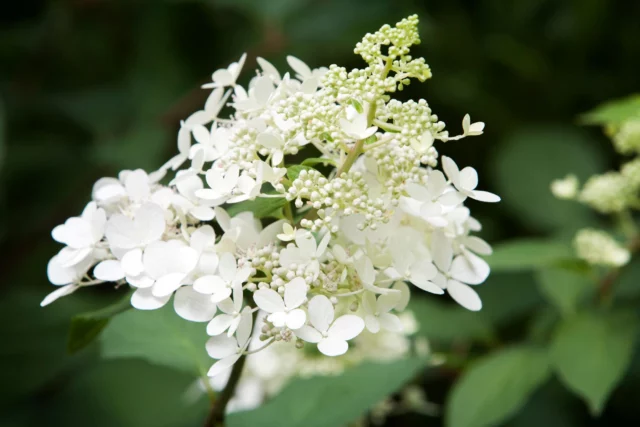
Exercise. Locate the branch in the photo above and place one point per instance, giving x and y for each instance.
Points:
(217, 413)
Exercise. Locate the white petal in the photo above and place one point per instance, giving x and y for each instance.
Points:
(299, 67)
(269, 140)
(221, 295)
(405, 295)
(306, 242)
(322, 247)
(390, 322)
(131, 262)
(452, 198)
(219, 324)
(201, 134)
(423, 271)
(227, 306)
(308, 334)
(321, 312)
(221, 346)
(223, 364)
(244, 328)
(167, 284)
(59, 275)
(309, 86)
(268, 300)
(295, 292)
(227, 266)
(109, 271)
(333, 346)
(59, 293)
(470, 269)
(223, 77)
(428, 286)
(268, 69)
(418, 192)
(441, 251)
(386, 302)
(143, 299)
(451, 169)
(369, 302)
(193, 306)
(468, 178)
(279, 319)
(295, 319)
(141, 281)
(464, 295)
(372, 323)
(209, 284)
(346, 327)
(478, 245)
(484, 196)
(262, 90)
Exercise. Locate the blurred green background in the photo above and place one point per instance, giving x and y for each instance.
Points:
(90, 87)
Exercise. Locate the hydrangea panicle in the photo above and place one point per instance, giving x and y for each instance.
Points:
(332, 270)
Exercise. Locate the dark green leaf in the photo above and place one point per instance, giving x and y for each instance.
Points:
(330, 400)
(527, 254)
(294, 171)
(262, 207)
(496, 387)
(614, 112)
(591, 353)
(564, 288)
(508, 296)
(127, 393)
(160, 337)
(442, 322)
(553, 153)
(86, 327)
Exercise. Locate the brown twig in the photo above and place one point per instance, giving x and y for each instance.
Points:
(218, 409)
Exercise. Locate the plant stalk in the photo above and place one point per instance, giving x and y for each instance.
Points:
(217, 413)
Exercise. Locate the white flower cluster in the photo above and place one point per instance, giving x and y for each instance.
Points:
(613, 193)
(266, 372)
(336, 261)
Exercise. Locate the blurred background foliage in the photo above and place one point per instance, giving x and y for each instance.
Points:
(90, 87)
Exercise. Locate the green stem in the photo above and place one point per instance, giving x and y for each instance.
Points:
(356, 150)
(288, 212)
(217, 414)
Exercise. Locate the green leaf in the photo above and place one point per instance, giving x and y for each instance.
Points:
(496, 387)
(330, 400)
(509, 296)
(592, 351)
(2, 134)
(86, 327)
(564, 288)
(312, 161)
(294, 171)
(126, 393)
(356, 104)
(628, 284)
(614, 112)
(527, 254)
(555, 152)
(261, 207)
(160, 337)
(442, 322)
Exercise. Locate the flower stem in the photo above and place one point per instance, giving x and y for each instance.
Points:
(351, 157)
(288, 212)
(217, 413)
